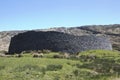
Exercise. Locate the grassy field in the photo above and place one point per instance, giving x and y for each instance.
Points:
(88, 65)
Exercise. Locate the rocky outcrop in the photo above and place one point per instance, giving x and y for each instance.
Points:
(5, 38)
(56, 41)
(110, 31)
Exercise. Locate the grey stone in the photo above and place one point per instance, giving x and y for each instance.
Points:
(56, 41)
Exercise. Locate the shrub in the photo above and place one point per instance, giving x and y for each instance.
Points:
(56, 78)
(2, 67)
(36, 55)
(57, 56)
(54, 67)
(46, 51)
(76, 72)
(27, 67)
(18, 55)
(116, 68)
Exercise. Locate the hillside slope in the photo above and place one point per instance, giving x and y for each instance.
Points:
(88, 65)
(111, 31)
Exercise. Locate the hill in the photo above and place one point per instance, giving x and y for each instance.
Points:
(88, 65)
(111, 31)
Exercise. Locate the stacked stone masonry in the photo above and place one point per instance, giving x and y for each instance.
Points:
(56, 41)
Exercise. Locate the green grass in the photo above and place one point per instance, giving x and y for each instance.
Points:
(105, 67)
(101, 53)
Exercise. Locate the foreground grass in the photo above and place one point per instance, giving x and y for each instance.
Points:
(33, 68)
(106, 66)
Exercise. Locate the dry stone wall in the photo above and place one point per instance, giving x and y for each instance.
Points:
(56, 41)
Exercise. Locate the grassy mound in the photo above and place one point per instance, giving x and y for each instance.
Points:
(101, 53)
(90, 65)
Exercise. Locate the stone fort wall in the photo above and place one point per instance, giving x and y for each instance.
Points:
(56, 41)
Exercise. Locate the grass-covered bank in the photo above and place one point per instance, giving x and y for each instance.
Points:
(88, 65)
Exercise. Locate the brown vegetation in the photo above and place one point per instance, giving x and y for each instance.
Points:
(37, 55)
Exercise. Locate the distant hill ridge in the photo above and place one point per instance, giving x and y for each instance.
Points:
(110, 31)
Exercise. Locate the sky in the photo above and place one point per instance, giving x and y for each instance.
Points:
(42, 14)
